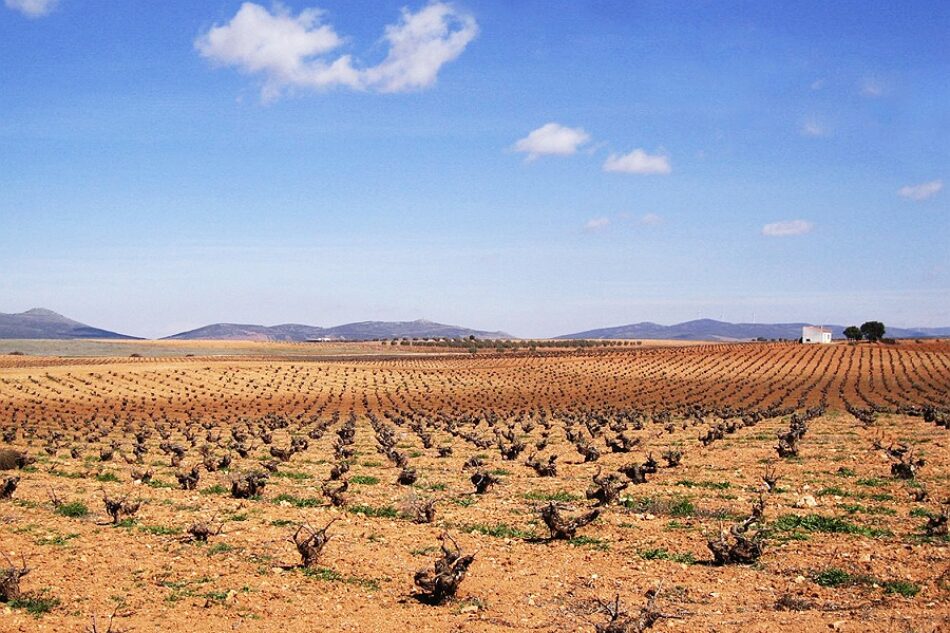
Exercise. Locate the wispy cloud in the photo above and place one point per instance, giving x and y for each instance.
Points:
(596, 224)
(922, 191)
(787, 228)
(872, 87)
(552, 139)
(647, 219)
(811, 127)
(293, 51)
(32, 8)
(638, 162)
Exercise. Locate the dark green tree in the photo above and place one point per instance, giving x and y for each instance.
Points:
(852, 333)
(872, 331)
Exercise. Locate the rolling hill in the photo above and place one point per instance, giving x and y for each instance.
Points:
(361, 331)
(712, 330)
(40, 323)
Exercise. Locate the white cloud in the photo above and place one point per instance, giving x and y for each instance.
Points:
(811, 127)
(420, 45)
(290, 51)
(623, 219)
(32, 8)
(871, 87)
(596, 224)
(922, 191)
(552, 139)
(787, 228)
(638, 162)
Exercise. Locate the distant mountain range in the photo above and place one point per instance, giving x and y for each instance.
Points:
(46, 324)
(362, 331)
(39, 323)
(711, 330)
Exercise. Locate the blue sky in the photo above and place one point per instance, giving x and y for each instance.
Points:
(538, 167)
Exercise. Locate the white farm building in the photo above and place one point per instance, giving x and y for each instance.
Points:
(815, 334)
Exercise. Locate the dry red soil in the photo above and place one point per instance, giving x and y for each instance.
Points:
(845, 541)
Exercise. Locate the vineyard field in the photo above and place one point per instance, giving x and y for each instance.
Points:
(717, 487)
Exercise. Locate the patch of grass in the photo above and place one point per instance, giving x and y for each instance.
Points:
(386, 512)
(281, 522)
(709, 485)
(35, 605)
(901, 587)
(328, 575)
(560, 495)
(828, 525)
(844, 471)
(73, 509)
(125, 523)
(67, 475)
(416, 453)
(641, 504)
(220, 548)
(322, 573)
(372, 464)
(832, 577)
(216, 489)
(677, 506)
(595, 543)
(463, 502)
(681, 507)
(216, 596)
(366, 583)
(500, 530)
(58, 540)
(853, 508)
(921, 513)
(107, 476)
(500, 471)
(364, 480)
(436, 486)
(299, 502)
(158, 483)
(873, 482)
(833, 491)
(160, 530)
(662, 554)
(424, 551)
(290, 474)
(180, 589)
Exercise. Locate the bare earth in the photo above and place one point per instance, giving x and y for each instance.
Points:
(845, 541)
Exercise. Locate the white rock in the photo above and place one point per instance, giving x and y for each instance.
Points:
(806, 501)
